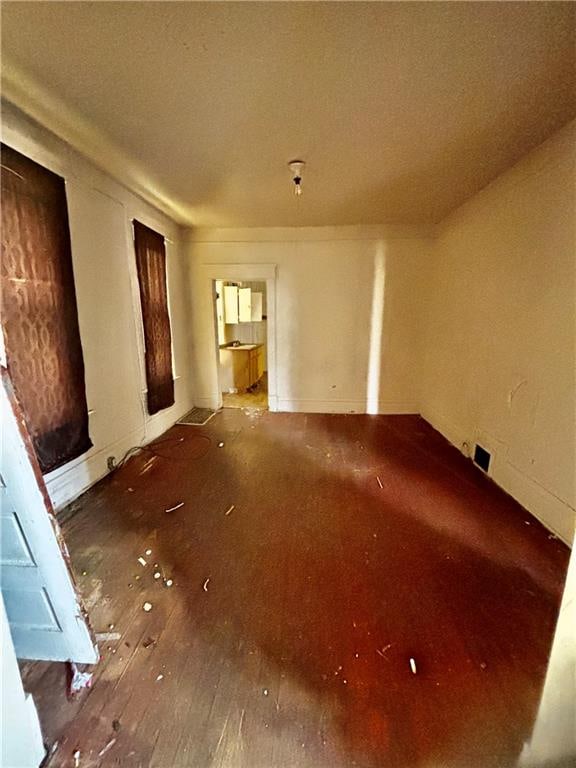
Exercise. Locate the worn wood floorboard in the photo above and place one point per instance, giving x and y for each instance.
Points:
(356, 543)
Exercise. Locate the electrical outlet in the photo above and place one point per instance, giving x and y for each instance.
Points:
(111, 462)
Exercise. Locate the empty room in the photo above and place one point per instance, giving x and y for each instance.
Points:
(288, 384)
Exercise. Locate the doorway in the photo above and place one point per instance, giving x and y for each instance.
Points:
(241, 319)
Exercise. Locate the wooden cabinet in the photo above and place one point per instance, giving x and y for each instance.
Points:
(247, 365)
(242, 305)
(245, 305)
(230, 304)
(256, 364)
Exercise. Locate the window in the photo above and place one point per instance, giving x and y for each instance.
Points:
(39, 312)
(151, 266)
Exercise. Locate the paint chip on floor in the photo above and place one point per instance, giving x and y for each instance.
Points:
(175, 507)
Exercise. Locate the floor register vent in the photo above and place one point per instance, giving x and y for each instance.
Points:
(482, 457)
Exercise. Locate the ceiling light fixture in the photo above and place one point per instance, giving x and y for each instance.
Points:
(297, 168)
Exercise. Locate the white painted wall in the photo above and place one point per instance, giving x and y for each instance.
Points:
(499, 349)
(348, 306)
(101, 212)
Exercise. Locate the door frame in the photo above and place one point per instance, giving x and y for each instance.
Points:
(264, 273)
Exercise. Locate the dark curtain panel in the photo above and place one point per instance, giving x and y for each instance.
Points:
(39, 313)
(151, 263)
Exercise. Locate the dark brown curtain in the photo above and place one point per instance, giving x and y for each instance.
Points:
(39, 313)
(151, 264)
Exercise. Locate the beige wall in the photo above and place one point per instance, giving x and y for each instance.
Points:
(475, 330)
(347, 314)
(499, 348)
(100, 213)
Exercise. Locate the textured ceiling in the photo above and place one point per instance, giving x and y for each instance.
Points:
(401, 110)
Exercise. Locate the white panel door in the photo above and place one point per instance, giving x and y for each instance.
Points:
(21, 744)
(45, 614)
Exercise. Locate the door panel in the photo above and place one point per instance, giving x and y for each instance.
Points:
(45, 614)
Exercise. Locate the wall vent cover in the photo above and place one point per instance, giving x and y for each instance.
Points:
(481, 457)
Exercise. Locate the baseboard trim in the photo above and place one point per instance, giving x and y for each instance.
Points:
(342, 406)
(554, 514)
(71, 481)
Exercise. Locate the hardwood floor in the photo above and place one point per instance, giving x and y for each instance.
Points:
(256, 398)
(370, 600)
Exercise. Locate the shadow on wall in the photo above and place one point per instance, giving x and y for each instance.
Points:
(348, 315)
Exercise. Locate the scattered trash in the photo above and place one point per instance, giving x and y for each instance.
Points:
(265, 691)
(379, 481)
(148, 464)
(116, 725)
(76, 757)
(148, 552)
(107, 637)
(83, 573)
(157, 575)
(552, 536)
(79, 679)
(413, 666)
(147, 643)
(107, 747)
(51, 751)
(142, 562)
(137, 578)
(382, 652)
(345, 682)
(160, 677)
(483, 665)
(220, 445)
(229, 510)
(526, 522)
(173, 509)
(147, 607)
(205, 585)
(130, 490)
(110, 626)
(169, 582)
